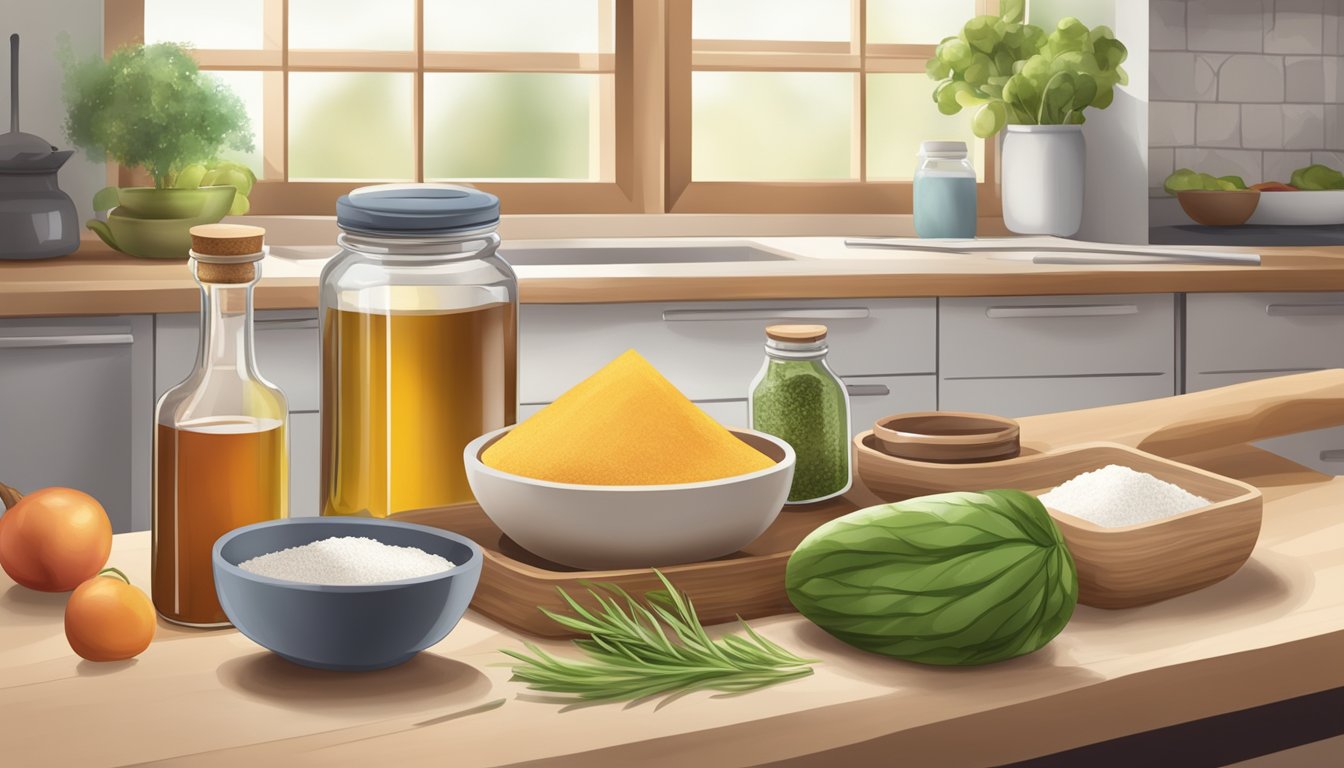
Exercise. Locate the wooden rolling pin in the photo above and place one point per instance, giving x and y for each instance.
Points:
(1200, 421)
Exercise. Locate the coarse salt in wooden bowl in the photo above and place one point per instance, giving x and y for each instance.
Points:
(1117, 567)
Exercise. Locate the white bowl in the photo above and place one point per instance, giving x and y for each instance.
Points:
(601, 527)
(1320, 207)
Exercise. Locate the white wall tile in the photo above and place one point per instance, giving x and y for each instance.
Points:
(1332, 35)
(1279, 166)
(1222, 162)
(1303, 126)
(1248, 78)
(1166, 25)
(1161, 162)
(1218, 125)
(1334, 79)
(1225, 25)
(1171, 124)
(1334, 126)
(1293, 26)
(1333, 159)
(1183, 76)
(1262, 126)
(1304, 77)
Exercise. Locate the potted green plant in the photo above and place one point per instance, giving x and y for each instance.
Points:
(1037, 85)
(150, 106)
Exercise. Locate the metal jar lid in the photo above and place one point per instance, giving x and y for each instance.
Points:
(413, 210)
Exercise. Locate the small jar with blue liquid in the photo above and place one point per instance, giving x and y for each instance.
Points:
(944, 191)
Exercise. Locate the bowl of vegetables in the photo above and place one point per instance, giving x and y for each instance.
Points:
(1222, 201)
(1214, 201)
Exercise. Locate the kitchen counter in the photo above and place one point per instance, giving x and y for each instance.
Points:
(1272, 631)
(97, 280)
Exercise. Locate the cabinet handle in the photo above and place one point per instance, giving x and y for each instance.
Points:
(868, 390)
(1304, 310)
(80, 340)
(839, 313)
(1333, 455)
(286, 324)
(1084, 310)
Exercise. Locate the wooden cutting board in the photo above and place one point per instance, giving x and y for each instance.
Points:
(750, 583)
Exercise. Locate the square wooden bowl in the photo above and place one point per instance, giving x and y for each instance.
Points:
(1144, 563)
(1117, 567)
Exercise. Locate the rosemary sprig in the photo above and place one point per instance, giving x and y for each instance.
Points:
(648, 649)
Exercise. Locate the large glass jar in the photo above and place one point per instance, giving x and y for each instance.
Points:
(944, 191)
(797, 398)
(419, 346)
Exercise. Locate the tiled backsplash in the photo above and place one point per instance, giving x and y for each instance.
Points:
(1247, 87)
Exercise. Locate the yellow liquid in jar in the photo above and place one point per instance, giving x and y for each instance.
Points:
(402, 395)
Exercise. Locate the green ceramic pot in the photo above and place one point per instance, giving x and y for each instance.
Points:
(154, 223)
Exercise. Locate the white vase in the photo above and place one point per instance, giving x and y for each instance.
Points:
(1043, 169)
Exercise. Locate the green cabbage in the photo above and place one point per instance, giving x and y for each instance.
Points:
(1317, 177)
(954, 578)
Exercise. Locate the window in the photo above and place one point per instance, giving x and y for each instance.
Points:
(579, 106)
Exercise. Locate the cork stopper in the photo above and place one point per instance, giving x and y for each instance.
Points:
(796, 333)
(227, 253)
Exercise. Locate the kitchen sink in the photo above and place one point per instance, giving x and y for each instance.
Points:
(654, 254)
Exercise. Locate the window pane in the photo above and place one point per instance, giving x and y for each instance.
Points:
(248, 87)
(351, 125)
(917, 21)
(361, 25)
(770, 20)
(771, 126)
(511, 125)
(231, 24)
(566, 26)
(901, 114)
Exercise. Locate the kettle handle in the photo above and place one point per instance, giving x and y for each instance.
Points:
(104, 233)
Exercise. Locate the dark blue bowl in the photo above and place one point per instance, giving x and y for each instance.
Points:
(344, 627)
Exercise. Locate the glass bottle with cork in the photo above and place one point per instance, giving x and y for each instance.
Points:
(419, 346)
(220, 445)
(799, 399)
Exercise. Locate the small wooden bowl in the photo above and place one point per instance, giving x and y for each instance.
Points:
(1117, 567)
(1219, 208)
(948, 437)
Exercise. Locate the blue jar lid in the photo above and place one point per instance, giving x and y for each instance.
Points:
(416, 209)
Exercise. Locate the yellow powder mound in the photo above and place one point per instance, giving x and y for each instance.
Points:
(624, 425)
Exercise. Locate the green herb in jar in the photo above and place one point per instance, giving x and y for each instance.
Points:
(797, 398)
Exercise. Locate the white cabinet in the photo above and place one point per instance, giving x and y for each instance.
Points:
(712, 350)
(872, 397)
(77, 409)
(1025, 355)
(1237, 337)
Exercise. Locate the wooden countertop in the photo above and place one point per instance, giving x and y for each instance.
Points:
(1272, 631)
(97, 280)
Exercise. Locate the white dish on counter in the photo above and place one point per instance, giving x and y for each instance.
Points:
(601, 527)
(1305, 208)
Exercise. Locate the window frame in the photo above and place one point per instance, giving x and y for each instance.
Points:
(630, 189)
(685, 56)
(652, 63)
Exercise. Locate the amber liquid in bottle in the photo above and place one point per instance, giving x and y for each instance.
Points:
(214, 475)
(403, 394)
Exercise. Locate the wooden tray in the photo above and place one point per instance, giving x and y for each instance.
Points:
(749, 583)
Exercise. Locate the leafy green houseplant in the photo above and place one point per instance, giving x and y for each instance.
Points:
(1037, 84)
(150, 106)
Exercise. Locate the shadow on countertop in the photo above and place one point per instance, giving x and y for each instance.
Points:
(1252, 236)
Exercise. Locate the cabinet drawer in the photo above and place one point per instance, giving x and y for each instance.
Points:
(288, 353)
(1321, 449)
(1029, 397)
(872, 397)
(1056, 335)
(712, 350)
(305, 461)
(1264, 332)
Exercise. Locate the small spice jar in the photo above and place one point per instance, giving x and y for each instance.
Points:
(799, 399)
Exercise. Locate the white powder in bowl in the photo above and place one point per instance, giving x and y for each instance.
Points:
(1116, 496)
(346, 560)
